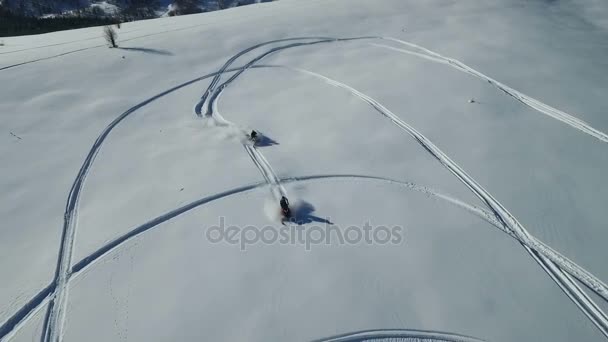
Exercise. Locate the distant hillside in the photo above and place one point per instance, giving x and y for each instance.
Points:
(40, 8)
(23, 17)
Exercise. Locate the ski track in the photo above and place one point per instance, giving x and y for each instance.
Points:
(58, 299)
(399, 334)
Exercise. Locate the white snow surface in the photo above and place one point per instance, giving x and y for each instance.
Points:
(477, 127)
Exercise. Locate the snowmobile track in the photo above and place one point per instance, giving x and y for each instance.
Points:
(211, 94)
(22, 316)
(399, 334)
(571, 289)
(63, 273)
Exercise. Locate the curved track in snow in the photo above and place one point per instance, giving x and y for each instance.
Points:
(212, 93)
(396, 335)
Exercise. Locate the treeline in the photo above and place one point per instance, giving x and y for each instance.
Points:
(24, 17)
(17, 25)
(20, 20)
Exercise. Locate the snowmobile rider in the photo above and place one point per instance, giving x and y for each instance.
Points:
(253, 136)
(285, 206)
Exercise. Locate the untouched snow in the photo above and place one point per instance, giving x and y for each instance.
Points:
(480, 129)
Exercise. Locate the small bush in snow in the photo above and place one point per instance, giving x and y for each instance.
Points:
(110, 35)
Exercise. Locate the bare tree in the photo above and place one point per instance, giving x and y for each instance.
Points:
(110, 35)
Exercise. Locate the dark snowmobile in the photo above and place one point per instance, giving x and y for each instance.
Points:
(285, 210)
(254, 136)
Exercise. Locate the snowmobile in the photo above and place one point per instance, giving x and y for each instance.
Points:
(285, 210)
(254, 136)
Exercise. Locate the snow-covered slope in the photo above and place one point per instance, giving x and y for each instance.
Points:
(477, 129)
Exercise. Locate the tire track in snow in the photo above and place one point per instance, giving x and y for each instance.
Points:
(519, 96)
(399, 335)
